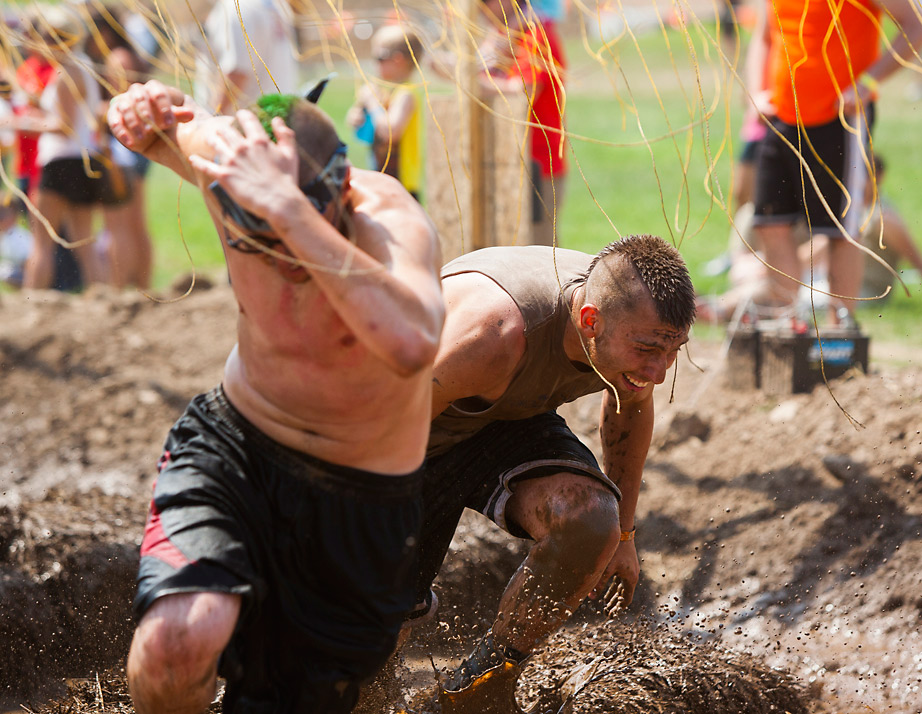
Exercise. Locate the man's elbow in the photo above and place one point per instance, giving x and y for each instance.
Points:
(415, 353)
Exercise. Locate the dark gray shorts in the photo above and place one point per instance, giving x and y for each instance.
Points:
(478, 473)
(784, 192)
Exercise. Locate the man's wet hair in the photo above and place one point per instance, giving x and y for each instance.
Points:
(627, 270)
(315, 133)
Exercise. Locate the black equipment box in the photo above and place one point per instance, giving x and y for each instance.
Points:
(788, 358)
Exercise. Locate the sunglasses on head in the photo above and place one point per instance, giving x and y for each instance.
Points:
(320, 191)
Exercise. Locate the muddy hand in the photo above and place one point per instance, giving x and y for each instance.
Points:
(615, 597)
(136, 116)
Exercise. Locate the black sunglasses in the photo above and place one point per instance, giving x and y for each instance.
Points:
(320, 191)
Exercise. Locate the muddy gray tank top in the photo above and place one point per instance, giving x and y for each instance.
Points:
(545, 378)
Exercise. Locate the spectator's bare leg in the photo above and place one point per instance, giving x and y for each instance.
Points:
(781, 253)
(79, 222)
(173, 663)
(38, 272)
(130, 253)
(846, 271)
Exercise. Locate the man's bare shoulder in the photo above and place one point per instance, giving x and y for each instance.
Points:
(477, 306)
(373, 189)
(482, 343)
(386, 216)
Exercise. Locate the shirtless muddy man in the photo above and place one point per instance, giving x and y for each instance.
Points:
(283, 532)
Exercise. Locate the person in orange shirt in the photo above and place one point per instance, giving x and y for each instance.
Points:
(819, 91)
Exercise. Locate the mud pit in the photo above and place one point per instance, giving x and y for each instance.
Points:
(781, 547)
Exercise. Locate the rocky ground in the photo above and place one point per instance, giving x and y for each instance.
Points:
(781, 539)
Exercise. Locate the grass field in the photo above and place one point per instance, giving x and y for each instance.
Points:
(645, 128)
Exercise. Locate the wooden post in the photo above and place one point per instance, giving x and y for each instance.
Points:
(478, 185)
(477, 118)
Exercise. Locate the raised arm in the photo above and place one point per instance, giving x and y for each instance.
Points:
(382, 280)
(906, 43)
(389, 292)
(625, 443)
(163, 124)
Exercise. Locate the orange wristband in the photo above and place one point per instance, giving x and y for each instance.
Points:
(628, 535)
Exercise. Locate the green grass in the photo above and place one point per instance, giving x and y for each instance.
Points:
(641, 148)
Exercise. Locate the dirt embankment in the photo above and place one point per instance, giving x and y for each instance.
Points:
(773, 533)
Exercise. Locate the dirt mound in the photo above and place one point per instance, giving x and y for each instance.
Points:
(66, 585)
(775, 535)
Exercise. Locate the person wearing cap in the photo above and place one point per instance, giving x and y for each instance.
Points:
(817, 70)
(281, 543)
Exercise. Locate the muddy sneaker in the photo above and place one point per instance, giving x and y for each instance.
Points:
(484, 683)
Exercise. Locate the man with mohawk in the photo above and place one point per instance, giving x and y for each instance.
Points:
(528, 329)
(282, 536)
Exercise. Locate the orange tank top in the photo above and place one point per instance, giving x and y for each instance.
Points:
(824, 45)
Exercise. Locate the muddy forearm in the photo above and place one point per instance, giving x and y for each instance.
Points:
(625, 442)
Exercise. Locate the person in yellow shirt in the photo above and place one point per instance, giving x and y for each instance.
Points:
(388, 116)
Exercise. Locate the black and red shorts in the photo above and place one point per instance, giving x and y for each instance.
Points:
(323, 555)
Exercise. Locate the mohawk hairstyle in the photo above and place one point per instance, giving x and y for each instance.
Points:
(660, 268)
(269, 106)
(315, 133)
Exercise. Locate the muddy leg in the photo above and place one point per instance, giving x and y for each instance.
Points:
(574, 521)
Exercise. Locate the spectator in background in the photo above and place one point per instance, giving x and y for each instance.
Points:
(246, 54)
(884, 233)
(32, 76)
(118, 64)
(526, 54)
(389, 116)
(72, 180)
(821, 85)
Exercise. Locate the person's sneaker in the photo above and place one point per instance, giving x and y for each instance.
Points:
(487, 656)
(484, 683)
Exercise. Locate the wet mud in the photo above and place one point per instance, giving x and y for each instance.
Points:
(781, 545)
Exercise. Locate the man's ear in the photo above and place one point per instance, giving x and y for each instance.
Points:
(590, 320)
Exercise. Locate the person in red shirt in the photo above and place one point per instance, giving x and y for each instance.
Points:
(32, 76)
(526, 54)
(819, 89)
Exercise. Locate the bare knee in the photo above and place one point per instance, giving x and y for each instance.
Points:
(179, 640)
(587, 528)
(569, 514)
